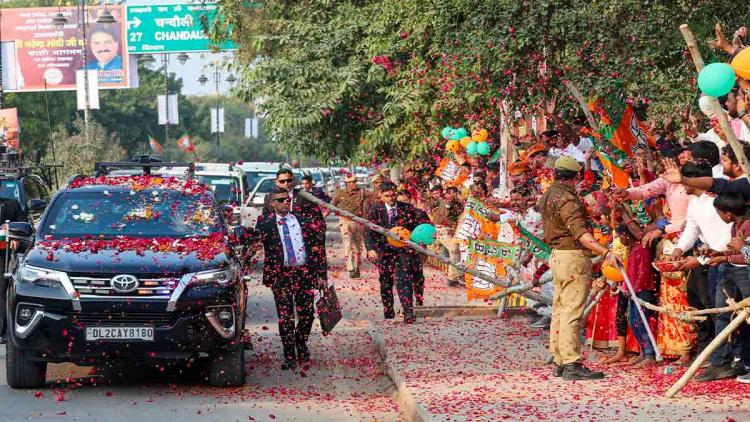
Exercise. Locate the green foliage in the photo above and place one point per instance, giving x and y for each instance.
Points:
(77, 153)
(374, 79)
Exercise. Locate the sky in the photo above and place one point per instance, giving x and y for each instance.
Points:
(199, 63)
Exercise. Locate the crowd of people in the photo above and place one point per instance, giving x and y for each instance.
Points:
(670, 213)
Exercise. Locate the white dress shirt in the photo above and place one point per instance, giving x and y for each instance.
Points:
(295, 234)
(703, 222)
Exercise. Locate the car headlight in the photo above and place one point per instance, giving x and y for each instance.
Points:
(40, 276)
(225, 276)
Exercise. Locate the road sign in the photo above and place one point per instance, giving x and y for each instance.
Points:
(169, 28)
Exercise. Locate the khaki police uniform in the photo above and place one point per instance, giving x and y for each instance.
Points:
(565, 220)
(356, 202)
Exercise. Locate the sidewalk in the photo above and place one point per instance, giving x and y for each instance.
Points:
(491, 368)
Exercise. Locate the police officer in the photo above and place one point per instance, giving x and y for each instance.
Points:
(356, 201)
(567, 231)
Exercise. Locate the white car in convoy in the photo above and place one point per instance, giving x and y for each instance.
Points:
(253, 206)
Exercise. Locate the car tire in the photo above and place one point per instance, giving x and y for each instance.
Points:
(227, 368)
(21, 370)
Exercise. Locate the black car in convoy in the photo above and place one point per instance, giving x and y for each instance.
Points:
(127, 268)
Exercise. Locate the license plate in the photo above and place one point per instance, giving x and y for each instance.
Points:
(119, 333)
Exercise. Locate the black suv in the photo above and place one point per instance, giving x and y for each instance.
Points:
(26, 184)
(128, 268)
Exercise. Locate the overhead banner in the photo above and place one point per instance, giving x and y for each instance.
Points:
(35, 51)
(170, 28)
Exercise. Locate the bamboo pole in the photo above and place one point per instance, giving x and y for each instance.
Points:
(582, 102)
(385, 232)
(692, 46)
(708, 351)
(634, 297)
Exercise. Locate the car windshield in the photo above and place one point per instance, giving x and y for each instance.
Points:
(9, 189)
(266, 186)
(253, 177)
(225, 188)
(317, 177)
(144, 213)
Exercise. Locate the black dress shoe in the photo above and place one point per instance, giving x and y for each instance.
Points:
(713, 373)
(410, 319)
(2, 340)
(354, 274)
(558, 371)
(576, 371)
(303, 353)
(288, 365)
(389, 314)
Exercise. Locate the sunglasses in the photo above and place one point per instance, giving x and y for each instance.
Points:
(284, 199)
(285, 181)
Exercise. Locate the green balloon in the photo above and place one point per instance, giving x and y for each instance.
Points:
(471, 149)
(462, 133)
(483, 148)
(716, 79)
(446, 132)
(455, 135)
(424, 234)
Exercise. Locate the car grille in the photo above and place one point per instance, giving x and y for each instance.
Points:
(147, 287)
(110, 318)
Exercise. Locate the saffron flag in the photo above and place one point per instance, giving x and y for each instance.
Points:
(184, 143)
(474, 224)
(155, 145)
(490, 258)
(453, 174)
(631, 133)
(619, 176)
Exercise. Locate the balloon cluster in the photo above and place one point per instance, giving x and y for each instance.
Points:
(423, 234)
(474, 144)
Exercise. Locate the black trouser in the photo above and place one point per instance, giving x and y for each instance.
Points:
(294, 292)
(735, 283)
(621, 318)
(419, 282)
(402, 268)
(699, 298)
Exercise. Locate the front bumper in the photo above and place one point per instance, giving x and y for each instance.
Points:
(54, 331)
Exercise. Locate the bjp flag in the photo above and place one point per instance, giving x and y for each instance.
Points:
(489, 258)
(185, 144)
(631, 133)
(619, 176)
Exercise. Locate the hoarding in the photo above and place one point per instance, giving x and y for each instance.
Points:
(35, 51)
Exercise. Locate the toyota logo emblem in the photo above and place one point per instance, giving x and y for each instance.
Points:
(124, 283)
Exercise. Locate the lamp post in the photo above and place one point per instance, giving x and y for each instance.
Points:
(231, 79)
(106, 19)
(182, 58)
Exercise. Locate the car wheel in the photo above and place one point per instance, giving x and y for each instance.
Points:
(21, 370)
(227, 368)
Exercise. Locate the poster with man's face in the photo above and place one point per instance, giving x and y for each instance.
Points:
(35, 51)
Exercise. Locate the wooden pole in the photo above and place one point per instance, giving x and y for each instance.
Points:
(708, 351)
(634, 298)
(721, 116)
(582, 102)
(385, 232)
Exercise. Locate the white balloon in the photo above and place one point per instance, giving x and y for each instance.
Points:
(705, 105)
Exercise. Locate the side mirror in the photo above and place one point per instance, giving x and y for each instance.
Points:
(37, 204)
(21, 229)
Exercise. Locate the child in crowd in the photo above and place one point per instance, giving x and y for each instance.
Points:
(641, 276)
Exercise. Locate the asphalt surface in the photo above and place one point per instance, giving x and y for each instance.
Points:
(344, 381)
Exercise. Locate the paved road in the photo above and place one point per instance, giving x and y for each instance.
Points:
(344, 382)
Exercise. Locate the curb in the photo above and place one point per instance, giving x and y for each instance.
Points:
(463, 311)
(410, 409)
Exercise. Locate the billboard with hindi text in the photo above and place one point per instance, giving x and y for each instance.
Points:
(37, 55)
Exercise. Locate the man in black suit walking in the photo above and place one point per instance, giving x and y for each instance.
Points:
(399, 265)
(293, 269)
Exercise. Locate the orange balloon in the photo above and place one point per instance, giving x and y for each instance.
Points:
(465, 141)
(479, 135)
(453, 146)
(611, 273)
(741, 63)
(403, 233)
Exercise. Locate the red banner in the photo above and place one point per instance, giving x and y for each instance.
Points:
(9, 128)
(34, 50)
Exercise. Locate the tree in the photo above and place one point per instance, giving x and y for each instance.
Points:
(380, 78)
(76, 154)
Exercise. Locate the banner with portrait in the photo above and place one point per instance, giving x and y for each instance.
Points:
(37, 55)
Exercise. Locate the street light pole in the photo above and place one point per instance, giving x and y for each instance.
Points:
(217, 76)
(81, 8)
(166, 98)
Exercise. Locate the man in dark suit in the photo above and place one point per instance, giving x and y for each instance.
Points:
(399, 265)
(293, 269)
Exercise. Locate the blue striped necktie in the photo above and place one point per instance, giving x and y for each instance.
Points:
(288, 242)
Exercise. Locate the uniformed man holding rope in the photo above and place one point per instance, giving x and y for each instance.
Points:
(567, 231)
